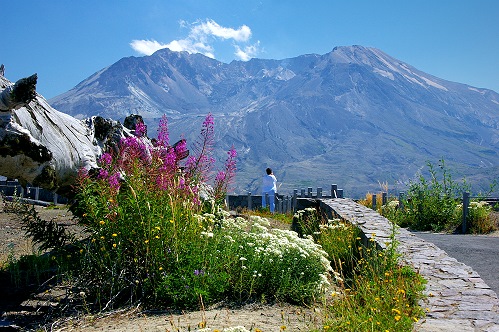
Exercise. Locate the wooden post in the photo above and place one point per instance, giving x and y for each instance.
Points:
(309, 195)
(334, 191)
(401, 201)
(250, 201)
(295, 196)
(384, 198)
(374, 202)
(55, 198)
(302, 193)
(466, 202)
(319, 192)
(37, 193)
(340, 193)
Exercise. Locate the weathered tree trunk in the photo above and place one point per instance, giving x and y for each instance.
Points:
(44, 147)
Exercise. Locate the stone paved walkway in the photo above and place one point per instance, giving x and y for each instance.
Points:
(458, 300)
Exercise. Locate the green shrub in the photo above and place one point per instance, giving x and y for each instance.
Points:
(157, 234)
(430, 204)
(478, 218)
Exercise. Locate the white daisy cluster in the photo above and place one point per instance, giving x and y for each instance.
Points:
(277, 251)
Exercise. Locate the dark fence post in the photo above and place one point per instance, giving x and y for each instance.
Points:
(295, 196)
(401, 201)
(267, 201)
(302, 193)
(384, 198)
(466, 202)
(309, 194)
(319, 192)
(334, 189)
(340, 193)
(250, 201)
(373, 201)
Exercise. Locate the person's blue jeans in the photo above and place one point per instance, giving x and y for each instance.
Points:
(271, 200)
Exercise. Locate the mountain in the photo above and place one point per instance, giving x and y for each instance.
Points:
(355, 116)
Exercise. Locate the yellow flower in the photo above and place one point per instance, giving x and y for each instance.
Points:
(202, 325)
(396, 311)
(333, 294)
(326, 327)
(415, 319)
(401, 291)
(102, 237)
(158, 228)
(397, 318)
(161, 268)
(157, 236)
(283, 327)
(102, 222)
(146, 241)
(81, 251)
(115, 235)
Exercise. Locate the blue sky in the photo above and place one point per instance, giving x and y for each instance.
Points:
(66, 41)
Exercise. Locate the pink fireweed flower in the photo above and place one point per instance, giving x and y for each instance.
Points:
(163, 137)
(208, 121)
(106, 159)
(140, 129)
(103, 174)
(220, 176)
(114, 181)
(225, 177)
(180, 148)
(199, 166)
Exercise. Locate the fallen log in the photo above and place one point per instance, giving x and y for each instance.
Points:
(44, 147)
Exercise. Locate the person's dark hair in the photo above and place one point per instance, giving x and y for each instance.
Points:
(269, 171)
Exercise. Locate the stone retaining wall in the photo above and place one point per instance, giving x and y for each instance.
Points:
(458, 300)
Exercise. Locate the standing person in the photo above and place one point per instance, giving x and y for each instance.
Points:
(269, 187)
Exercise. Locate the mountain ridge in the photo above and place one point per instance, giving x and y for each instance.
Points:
(355, 115)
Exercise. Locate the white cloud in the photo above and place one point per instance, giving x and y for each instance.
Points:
(211, 27)
(146, 47)
(248, 52)
(200, 39)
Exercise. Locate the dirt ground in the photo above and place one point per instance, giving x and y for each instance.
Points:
(33, 308)
(29, 309)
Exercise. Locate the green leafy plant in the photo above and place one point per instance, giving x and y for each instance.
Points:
(374, 292)
(430, 204)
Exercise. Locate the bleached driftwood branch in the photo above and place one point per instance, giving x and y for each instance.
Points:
(44, 147)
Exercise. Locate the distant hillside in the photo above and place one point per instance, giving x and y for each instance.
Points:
(354, 116)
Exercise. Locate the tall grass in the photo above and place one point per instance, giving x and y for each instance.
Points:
(375, 292)
(433, 203)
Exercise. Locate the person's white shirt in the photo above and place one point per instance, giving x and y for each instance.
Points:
(269, 183)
